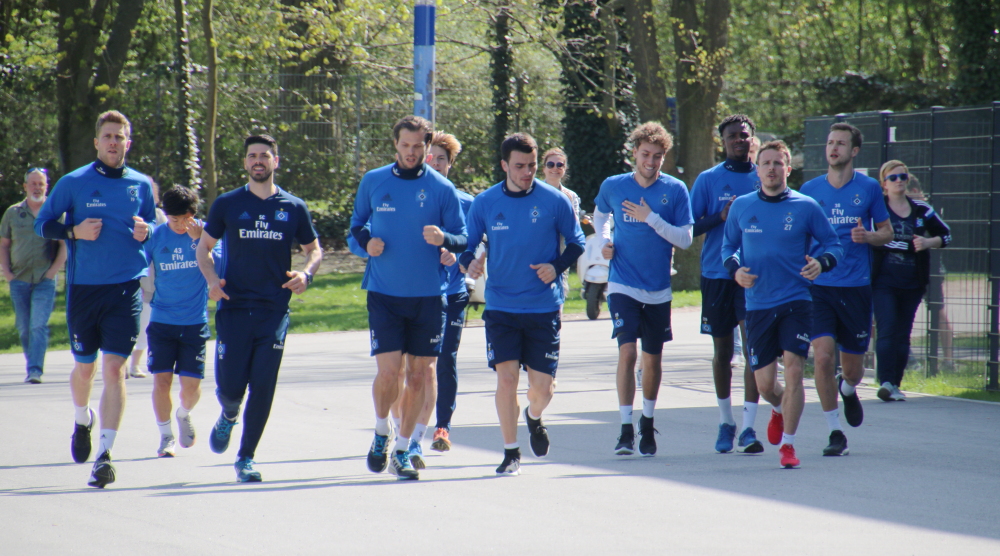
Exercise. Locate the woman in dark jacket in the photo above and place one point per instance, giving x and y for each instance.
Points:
(900, 274)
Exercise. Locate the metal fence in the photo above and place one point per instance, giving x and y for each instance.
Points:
(955, 155)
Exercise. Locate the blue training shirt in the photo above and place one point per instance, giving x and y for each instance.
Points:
(181, 295)
(397, 209)
(710, 194)
(257, 236)
(642, 257)
(522, 229)
(859, 198)
(772, 236)
(453, 278)
(114, 195)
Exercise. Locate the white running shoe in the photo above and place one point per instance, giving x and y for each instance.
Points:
(166, 449)
(186, 430)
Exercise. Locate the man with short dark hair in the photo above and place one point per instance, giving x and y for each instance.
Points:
(259, 223)
(523, 219)
(106, 206)
(30, 264)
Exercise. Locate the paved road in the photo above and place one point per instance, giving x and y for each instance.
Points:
(922, 477)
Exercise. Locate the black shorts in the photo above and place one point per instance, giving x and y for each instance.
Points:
(413, 325)
(843, 313)
(105, 317)
(773, 331)
(723, 306)
(633, 320)
(177, 348)
(529, 338)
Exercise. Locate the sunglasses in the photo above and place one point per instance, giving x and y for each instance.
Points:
(551, 164)
(900, 177)
(37, 169)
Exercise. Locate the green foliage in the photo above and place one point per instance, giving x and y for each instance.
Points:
(977, 56)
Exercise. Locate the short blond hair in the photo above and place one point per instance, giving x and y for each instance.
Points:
(449, 143)
(777, 145)
(653, 133)
(113, 117)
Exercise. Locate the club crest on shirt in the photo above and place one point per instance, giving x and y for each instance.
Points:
(133, 193)
(281, 215)
(857, 200)
(664, 200)
(535, 213)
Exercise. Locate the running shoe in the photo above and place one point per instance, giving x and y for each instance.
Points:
(166, 449)
(137, 372)
(34, 377)
(185, 430)
(853, 413)
(103, 473)
(647, 444)
(788, 459)
(245, 473)
(511, 464)
(897, 394)
(416, 454)
(80, 444)
(838, 445)
(538, 436)
(885, 392)
(378, 457)
(748, 443)
(724, 443)
(626, 441)
(775, 428)
(399, 465)
(441, 442)
(221, 431)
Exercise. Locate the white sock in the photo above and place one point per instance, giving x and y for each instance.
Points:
(833, 419)
(182, 412)
(777, 408)
(165, 427)
(402, 443)
(418, 432)
(626, 412)
(787, 439)
(749, 415)
(107, 441)
(726, 411)
(846, 389)
(382, 426)
(647, 408)
(532, 414)
(511, 446)
(397, 421)
(83, 415)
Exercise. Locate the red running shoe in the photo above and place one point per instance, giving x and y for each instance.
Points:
(775, 428)
(788, 459)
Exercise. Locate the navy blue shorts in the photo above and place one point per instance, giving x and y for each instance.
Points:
(843, 313)
(413, 325)
(529, 338)
(633, 320)
(723, 306)
(105, 317)
(773, 331)
(177, 348)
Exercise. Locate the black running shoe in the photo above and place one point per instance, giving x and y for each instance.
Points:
(103, 473)
(538, 436)
(838, 445)
(511, 464)
(378, 454)
(80, 445)
(647, 444)
(853, 412)
(626, 442)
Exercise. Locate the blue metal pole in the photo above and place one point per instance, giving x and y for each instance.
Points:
(423, 59)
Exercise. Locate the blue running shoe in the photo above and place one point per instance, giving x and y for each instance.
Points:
(221, 431)
(748, 443)
(724, 443)
(399, 465)
(245, 473)
(416, 454)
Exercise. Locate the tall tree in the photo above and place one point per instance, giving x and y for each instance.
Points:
(502, 79)
(88, 68)
(978, 45)
(211, 104)
(187, 143)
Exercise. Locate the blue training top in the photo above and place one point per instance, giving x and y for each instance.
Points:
(771, 236)
(859, 198)
(257, 236)
(114, 195)
(642, 257)
(454, 279)
(710, 194)
(181, 295)
(397, 207)
(523, 229)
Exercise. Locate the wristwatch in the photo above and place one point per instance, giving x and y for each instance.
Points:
(309, 278)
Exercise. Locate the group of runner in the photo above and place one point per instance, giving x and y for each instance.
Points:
(422, 238)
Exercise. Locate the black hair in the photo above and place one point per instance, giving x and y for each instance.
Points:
(738, 119)
(856, 136)
(179, 201)
(263, 139)
(520, 142)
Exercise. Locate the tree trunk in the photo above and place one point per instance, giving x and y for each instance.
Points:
(501, 75)
(211, 108)
(187, 145)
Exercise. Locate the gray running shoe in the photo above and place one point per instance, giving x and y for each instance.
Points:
(166, 449)
(185, 430)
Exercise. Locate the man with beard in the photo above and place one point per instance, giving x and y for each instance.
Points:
(257, 224)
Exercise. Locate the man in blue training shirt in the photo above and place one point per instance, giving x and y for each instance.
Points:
(768, 234)
(523, 219)
(723, 304)
(842, 299)
(107, 206)
(178, 323)
(652, 215)
(404, 213)
(257, 224)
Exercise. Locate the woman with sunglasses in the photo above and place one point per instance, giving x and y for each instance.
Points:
(900, 273)
(554, 168)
